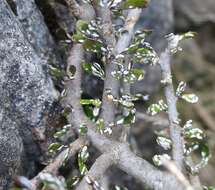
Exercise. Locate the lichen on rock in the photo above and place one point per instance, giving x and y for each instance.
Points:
(26, 92)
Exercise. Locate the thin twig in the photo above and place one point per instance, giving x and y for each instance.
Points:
(124, 137)
(175, 129)
(170, 165)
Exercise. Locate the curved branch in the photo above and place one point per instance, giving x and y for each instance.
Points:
(146, 173)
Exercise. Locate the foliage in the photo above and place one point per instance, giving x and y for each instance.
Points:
(139, 52)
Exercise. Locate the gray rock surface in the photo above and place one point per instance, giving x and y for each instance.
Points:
(26, 92)
(36, 30)
(194, 12)
(64, 17)
(158, 17)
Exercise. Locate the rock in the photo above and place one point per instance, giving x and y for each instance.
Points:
(63, 16)
(158, 17)
(193, 12)
(11, 149)
(206, 40)
(191, 66)
(36, 31)
(26, 92)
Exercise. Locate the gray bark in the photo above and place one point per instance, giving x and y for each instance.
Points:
(26, 92)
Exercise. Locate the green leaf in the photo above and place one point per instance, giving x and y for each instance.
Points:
(134, 75)
(131, 4)
(71, 182)
(205, 152)
(156, 108)
(94, 102)
(141, 51)
(191, 98)
(181, 88)
(82, 168)
(81, 25)
(188, 35)
(60, 133)
(82, 129)
(108, 130)
(188, 125)
(128, 119)
(100, 125)
(208, 188)
(125, 102)
(92, 45)
(88, 35)
(94, 69)
(120, 188)
(54, 147)
(203, 149)
(164, 142)
(175, 39)
(195, 143)
(88, 110)
(194, 133)
(128, 75)
(83, 155)
(96, 111)
(141, 97)
(78, 38)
